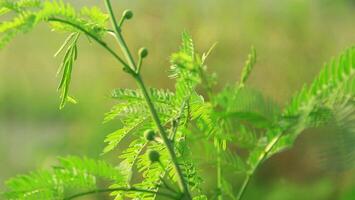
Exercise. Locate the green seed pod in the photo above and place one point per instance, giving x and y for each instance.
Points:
(149, 135)
(143, 52)
(127, 14)
(154, 156)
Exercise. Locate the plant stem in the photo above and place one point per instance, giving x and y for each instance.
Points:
(182, 183)
(244, 185)
(119, 189)
(119, 36)
(261, 158)
(176, 122)
(219, 173)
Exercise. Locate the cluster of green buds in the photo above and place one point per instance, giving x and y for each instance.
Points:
(143, 52)
(150, 136)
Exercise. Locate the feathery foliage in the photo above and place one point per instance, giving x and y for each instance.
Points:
(71, 174)
(233, 130)
(61, 17)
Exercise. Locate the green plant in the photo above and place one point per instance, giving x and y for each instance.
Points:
(165, 125)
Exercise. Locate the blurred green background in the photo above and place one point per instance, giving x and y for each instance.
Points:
(293, 39)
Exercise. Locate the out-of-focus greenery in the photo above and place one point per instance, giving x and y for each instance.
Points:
(293, 38)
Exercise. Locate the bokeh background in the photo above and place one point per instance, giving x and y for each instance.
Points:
(293, 39)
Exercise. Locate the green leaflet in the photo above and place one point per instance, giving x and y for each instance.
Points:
(66, 69)
(98, 168)
(132, 104)
(158, 95)
(113, 139)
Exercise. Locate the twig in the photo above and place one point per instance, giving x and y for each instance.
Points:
(119, 189)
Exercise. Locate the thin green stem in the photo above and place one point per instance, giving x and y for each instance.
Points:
(119, 189)
(167, 186)
(268, 148)
(99, 41)
(261, 158)
(139, 65)
(219, 173)
(244, 185)
(182, 183)
(176, 122)
(120, 24)
(119, 36)
(290, 128)
(165, 169)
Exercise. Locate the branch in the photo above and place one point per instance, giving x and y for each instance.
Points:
(219, 172)
(245, 185)
(99, 41)
(119, 37)
(268, 148)
(119, 189)
(182, 183)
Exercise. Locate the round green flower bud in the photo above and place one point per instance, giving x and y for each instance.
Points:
(154, 156)
(149, 135)
(143, 52)
(128, 14)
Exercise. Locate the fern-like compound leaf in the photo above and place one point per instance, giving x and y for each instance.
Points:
(72, 174)
(335, 76)
(324, 94)
(61, 16)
